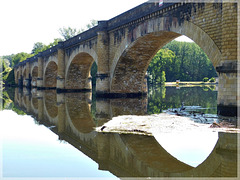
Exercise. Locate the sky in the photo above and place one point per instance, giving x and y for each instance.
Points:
(25, 22)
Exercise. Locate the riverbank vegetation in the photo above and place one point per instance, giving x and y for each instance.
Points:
(180, 61)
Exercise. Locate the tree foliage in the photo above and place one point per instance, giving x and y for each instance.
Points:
(181, 60)
(40, 47)
(68, 32)
(94, 73)
(159, 65)
(92, 24)
(19, 57)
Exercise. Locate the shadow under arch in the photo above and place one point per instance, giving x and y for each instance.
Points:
(78, 112)
(78, 70)
(136, 51)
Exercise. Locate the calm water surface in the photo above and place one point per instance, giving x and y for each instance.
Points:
(44, 134)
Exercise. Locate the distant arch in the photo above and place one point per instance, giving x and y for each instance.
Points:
(24, 75)
(34, 76)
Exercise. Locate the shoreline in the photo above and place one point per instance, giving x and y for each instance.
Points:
(190, 83)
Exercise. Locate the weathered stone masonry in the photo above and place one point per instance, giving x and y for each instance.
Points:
(123, 47)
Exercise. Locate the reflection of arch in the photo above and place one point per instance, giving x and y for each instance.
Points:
(50, 105)
(78, 71)
(34, 76)
(17, 76)
(24, 76)
(50, 75)
(137, 49)
(78, 112)
(17, 97)
(153, 160)
(153, 155)
(24, 101)
(34, 104)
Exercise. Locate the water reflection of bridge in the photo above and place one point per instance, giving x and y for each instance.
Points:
(71, 118)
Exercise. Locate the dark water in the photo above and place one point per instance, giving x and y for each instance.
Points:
(44, 134)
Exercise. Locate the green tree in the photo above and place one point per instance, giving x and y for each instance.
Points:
(93, 73)
(54, 43)
(69, 32)
(190, 62)
(161, 62)
(4, 70)
(9, 58)
(92, 24)
(19, 57)
(38, 47)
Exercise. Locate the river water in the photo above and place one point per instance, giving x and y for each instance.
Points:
(48, 135)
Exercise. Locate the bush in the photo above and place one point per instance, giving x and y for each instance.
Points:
(205, 79)
(212, 79)
(10, 78)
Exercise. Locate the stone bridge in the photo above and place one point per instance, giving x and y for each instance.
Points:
(123, 47)
(122, 155)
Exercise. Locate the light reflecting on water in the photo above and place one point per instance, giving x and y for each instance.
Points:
(56, 138)
(34, 151)
(191, 148)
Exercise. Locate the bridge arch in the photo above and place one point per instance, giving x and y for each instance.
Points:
(50, 74)
(34, 73)
(78, 69)
(140, 44)
(24, 75)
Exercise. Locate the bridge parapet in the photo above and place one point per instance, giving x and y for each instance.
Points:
(136, 14)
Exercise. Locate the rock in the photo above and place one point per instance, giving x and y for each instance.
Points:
(215, 125)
